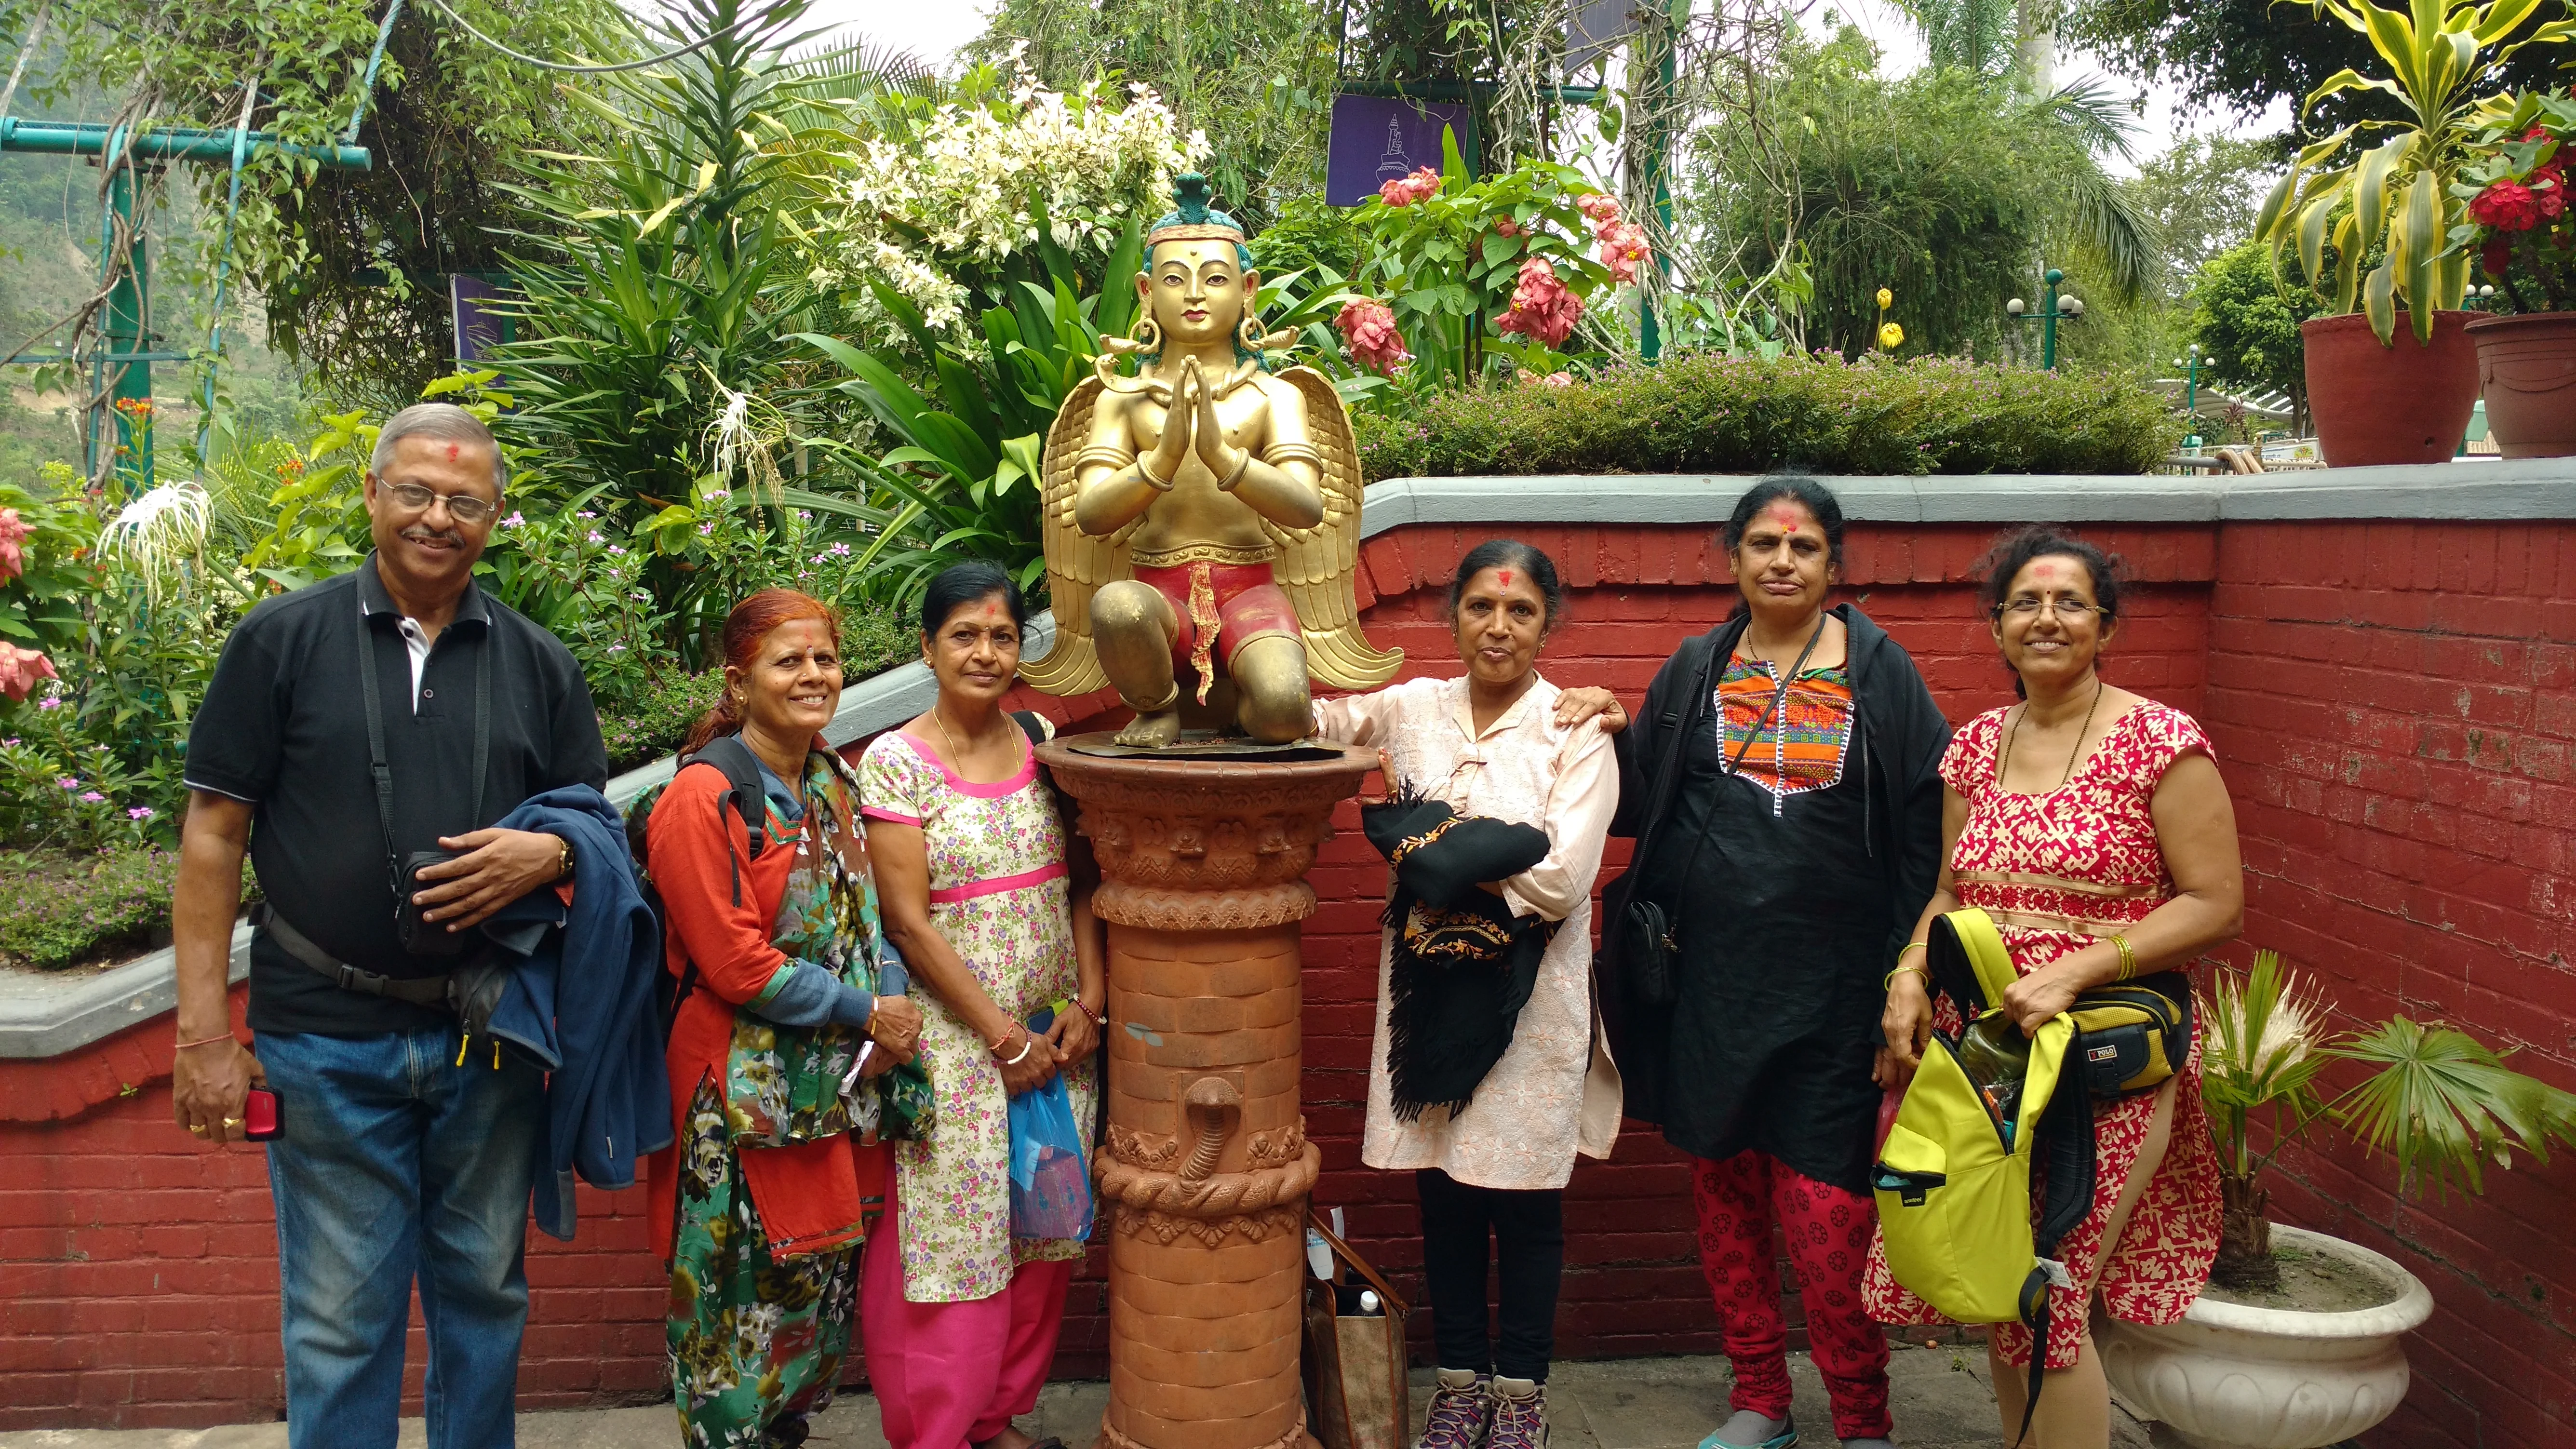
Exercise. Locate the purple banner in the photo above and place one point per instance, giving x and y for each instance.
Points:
(479, 329)
(1377, 139)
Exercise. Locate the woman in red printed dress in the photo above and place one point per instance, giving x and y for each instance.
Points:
(2092, 825)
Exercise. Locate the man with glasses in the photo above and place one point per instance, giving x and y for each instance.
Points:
(401, 1156)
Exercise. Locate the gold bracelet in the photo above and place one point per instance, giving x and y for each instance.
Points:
(2128, 958)
(1142, 471)
(1237, 475)
(563, 859)
(206, 1041)
(1890, 983)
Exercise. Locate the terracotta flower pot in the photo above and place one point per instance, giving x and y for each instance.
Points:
(2527, 369)
(2405, 403)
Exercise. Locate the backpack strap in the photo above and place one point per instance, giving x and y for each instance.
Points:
(1968, 960)
(728, 755)
(1032, 724)
(2067, 1147)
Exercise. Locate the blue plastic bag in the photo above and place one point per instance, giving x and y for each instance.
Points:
(1050, 1176)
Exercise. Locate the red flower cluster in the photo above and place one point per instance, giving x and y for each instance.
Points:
(2521, 205)
(1505, 226)
(1623, 246)
(1422, 185)
(1368, 330)
(1542, 309)
(1603, 210)
(13, 532)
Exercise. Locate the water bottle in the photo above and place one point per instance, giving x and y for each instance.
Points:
(1369, 1306)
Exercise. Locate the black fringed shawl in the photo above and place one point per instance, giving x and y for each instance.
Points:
(1462, 964)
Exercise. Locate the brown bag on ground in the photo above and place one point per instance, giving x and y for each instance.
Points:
(1357, 1396)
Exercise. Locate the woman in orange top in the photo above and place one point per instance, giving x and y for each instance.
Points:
(788, 1057)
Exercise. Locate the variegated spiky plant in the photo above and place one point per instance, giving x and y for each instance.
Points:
(2436, 1099)
(2392, 200)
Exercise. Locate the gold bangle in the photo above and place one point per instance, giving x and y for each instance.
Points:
(1890, 983)
(1237, 475)
(2128, 958)
(1147, 473)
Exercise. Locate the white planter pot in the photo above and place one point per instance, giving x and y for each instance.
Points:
(2233, 1377)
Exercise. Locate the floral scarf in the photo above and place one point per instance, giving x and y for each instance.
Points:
(787, 1084)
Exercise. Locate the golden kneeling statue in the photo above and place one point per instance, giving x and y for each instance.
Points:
(1202, 518)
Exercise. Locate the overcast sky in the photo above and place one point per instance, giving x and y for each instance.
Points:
(933, 29)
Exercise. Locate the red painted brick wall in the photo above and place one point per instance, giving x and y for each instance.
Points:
(2387, 704)
(2395, 705)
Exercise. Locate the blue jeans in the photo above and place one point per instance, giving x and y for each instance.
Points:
(396, 1161)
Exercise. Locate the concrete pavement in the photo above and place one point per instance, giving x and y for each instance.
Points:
(1942, 1402)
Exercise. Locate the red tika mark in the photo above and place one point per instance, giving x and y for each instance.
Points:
(451, 452)
(1505, 575)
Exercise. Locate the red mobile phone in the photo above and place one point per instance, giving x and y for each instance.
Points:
(263, 1116)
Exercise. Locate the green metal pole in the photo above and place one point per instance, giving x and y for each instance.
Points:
(2048, 323)
(123, 380)
(1650, 334)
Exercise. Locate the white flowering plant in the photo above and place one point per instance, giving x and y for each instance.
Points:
(950, 203)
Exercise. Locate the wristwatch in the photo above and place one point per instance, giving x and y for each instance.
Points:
(563, 859)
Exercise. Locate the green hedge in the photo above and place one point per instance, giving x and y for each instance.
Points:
(1714, 414)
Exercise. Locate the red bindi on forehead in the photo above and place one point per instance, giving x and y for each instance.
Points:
(1505, 576)
(1785, 516)
(451, 452)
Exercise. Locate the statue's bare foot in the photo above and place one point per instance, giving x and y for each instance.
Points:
(1153, 731)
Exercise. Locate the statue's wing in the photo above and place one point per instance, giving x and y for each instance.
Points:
(1317, 565)
(1077, 563)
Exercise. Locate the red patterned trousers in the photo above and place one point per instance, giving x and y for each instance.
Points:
(1828, 1230)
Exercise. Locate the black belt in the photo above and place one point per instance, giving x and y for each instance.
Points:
(418, 990)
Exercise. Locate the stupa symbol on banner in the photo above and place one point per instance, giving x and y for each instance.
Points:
(1393, 166)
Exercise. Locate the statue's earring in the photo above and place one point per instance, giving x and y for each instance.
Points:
(1251, 334)
(1147, 336)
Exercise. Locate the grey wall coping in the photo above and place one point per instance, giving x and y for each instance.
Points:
(47, 1014)
(37, 1022)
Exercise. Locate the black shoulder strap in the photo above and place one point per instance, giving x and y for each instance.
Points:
(742, 771)
(381, 768)
(1032, 724)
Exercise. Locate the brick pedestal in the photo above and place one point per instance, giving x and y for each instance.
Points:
(1205, 1168)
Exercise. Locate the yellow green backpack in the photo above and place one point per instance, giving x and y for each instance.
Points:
(1953, 1179)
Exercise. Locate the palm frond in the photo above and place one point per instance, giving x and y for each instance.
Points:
(2107, 220)
(1974, 35)
(2444, 1105)
(2095, 114)
(857, 71)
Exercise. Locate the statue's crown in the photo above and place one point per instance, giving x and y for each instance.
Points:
(1192, 219)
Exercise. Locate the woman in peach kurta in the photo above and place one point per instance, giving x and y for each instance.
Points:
(1490, 745)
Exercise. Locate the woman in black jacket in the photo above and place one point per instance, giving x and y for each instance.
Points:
(1781, 782)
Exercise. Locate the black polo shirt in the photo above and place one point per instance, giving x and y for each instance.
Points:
(284, 728)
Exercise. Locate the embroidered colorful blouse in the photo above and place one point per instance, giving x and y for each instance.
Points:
(1800, 746)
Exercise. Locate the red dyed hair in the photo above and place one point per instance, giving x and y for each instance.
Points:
(752, 621)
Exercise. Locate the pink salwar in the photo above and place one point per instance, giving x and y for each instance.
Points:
(952, 1375)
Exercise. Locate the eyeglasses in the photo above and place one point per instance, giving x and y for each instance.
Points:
(2069, 609)
(465, 508)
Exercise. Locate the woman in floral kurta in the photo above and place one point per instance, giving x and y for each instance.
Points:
(962, 1317)
(2092, 825)
(1500, 1164)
